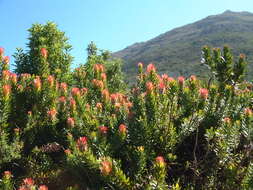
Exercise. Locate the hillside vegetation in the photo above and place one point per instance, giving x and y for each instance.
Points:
(177, 52)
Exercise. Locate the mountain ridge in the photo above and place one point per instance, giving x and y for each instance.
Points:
(178, 51)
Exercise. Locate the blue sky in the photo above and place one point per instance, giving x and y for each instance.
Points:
(111, 24)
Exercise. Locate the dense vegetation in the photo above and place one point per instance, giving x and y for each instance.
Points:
(177, 52)
(90, 131)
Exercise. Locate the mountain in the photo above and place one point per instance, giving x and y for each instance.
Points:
(178, 52)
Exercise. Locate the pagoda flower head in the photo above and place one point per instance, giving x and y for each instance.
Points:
(1, 51)
(28, 181)
(6, 60)
(162, 86)
(6, 90)
(7, 174)
(151, 68)
(63, 87)
(122, 129)
(181, 80)
(103, 130)
(75, 92)
(14, 78)
(43, 52)
(165, 77)
(193, 78)
(106, 167)
(50, 80)
(43, 187)
(98, 83)
(99, 68)
(84, 91)
(149, 87)
(37, 83)
(203, 93)
(72, 104)
(71, 122)
(248, 112)
(103, 77)
(114, 98)
(62, 99)
(99, 106)
(140, 65)
(82, 143)
(160, 161)
(6, 74)
(227, 120)
(52, 113)
(105, 94)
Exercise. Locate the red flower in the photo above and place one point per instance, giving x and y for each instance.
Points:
(7, 174)
(181, 80)
(103, 129)
(75, 92)
(160, 160)
(72, 104)
(106, 167)
(149, 86)
(28, 181)
(103, 76)
(37, 83)
(6, 90)
(14, 78)
(227, 120)
(105, 94)
(62, 99)
(151, 68)
(43, 52)
(6, 74)
(43, 187)
(82, 143)
(71, 122)
(203, 92)
(1, 51)
(63, 87)
(122, 129)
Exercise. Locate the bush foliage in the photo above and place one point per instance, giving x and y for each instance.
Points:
(95, 133)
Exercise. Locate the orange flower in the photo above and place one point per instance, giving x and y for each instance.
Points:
(6, 90)
(43, 187)
(37, 83)
(122, 128)
(52, 114)
(99, 106)
(43, 52)
(106, 167)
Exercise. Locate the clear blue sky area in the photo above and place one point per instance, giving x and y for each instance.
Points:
(111, 24)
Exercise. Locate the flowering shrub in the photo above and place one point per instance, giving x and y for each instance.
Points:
(163, 133)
